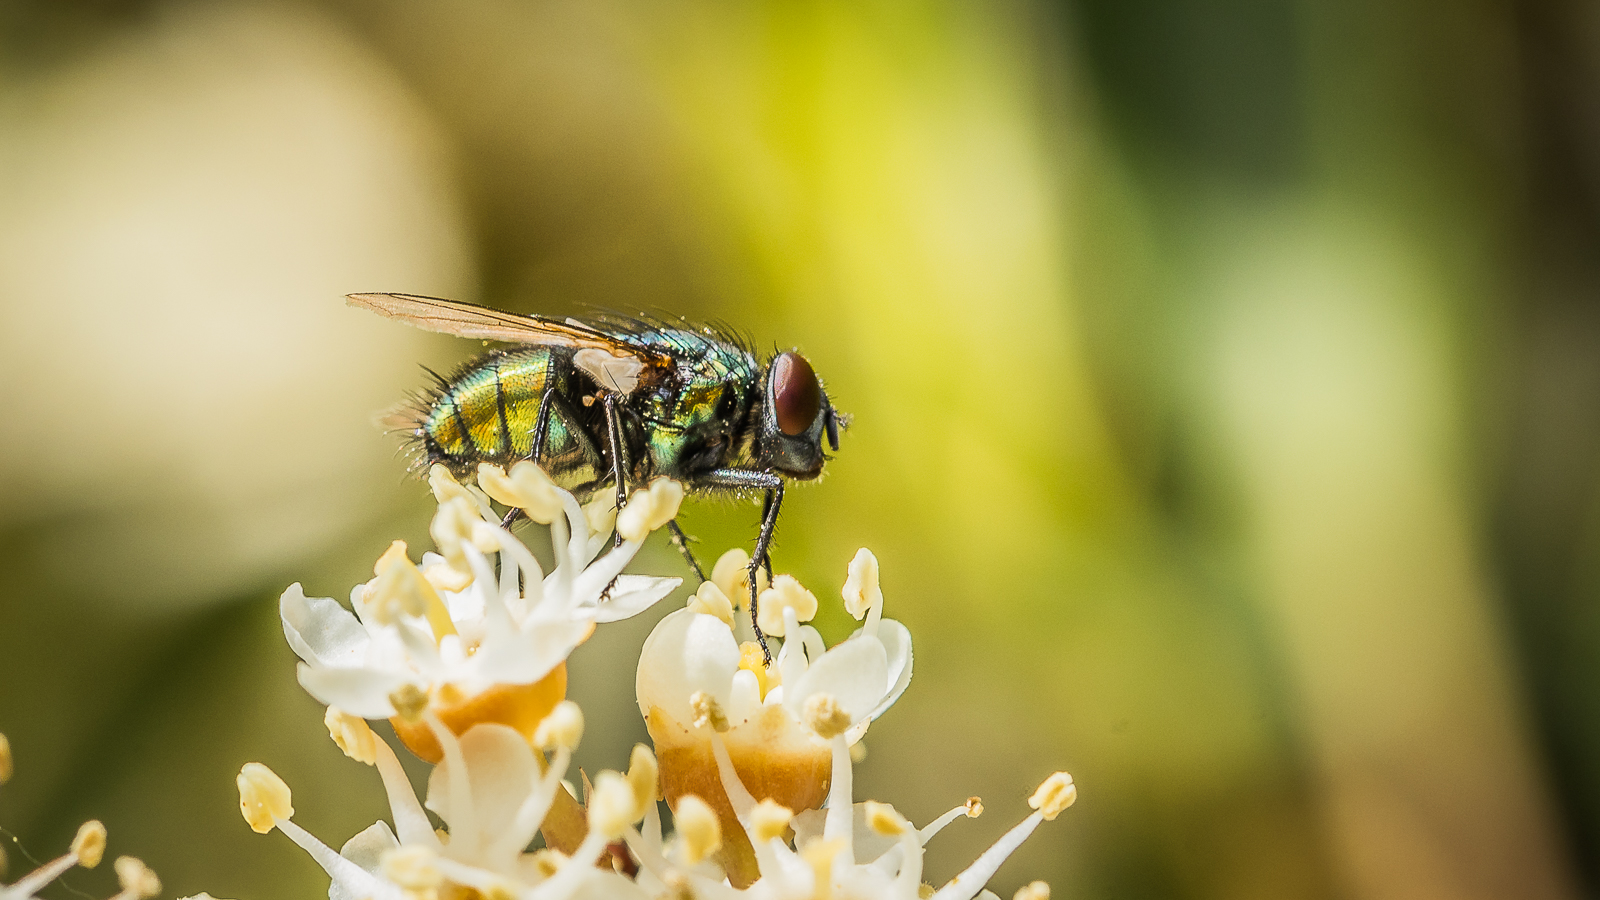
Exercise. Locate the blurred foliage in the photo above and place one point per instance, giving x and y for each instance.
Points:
(1226, 382)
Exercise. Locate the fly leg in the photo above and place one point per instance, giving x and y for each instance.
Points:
(681, 541)
(614, 442)
(745, 479)
(548, 402)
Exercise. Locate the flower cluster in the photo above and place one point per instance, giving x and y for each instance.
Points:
(136, 880)
(465, 655)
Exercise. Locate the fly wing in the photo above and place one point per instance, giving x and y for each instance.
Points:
(473, 321)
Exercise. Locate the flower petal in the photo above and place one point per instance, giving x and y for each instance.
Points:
(367, 848)
(855, 672)
(685, 653)
(320, 630)
(360, 692)
(501, 772)
(633, 594)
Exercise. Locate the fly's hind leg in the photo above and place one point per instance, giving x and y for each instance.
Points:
(614, 445)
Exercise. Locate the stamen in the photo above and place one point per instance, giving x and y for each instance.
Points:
(708, 712)
(412, 868)
(820, 854)
(972, 809)
(1054, 795)
(1037, 890)
(769, 820)
(89, 844)
(822, 714)
(967, 885)
(400, 587)
(410, 702)
(263, 797)
(354, 880)
(612, 806)
(732, 575)
(562, 728)
(649, 509)
(837, 824)
(785, 593)
(5, 760)
(698, 828)
(136, 879)
(884, 819)
(411, 823)
(644, 777)
(861, 592)
(710, 600)
(463, 816)
(352, 735)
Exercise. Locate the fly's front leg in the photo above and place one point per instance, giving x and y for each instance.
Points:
(744, 479)
(614, 440)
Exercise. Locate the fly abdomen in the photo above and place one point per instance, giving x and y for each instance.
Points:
(487, 411)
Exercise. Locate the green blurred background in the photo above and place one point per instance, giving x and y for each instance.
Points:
(1226, 382)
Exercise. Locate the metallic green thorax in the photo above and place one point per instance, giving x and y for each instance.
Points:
(699, 417)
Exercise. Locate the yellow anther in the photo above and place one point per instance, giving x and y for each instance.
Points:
(601, 512)
(413, 868)
(401, 588)
(89, 844)
(823, 714)
(611, 805)
(861, 591)
(974, 807)
(409, 702)
(136, 877)
(785, 593)
(352, 735)
(5, 760)
(752, 660)
(882, 818)
(1037, 890)
(547, 862)
(770, 820)
(445, 577)
(562, 727)
(858, 752)
(263, 797)
(451, 528)
(1054, 795)
(649, 509)
(710, 600)
(527, 488)
(697, 827)
(644, 777)
(485, 537)
(445, 487)
(708, 712)
(819, 854)
(732, 575)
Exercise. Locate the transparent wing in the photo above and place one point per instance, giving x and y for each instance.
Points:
(473, 321)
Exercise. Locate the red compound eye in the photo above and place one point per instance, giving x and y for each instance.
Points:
(796, 395)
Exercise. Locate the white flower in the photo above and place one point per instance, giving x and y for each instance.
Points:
(696, 681)
(493, 792)
(863, 851)
(479, 618)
